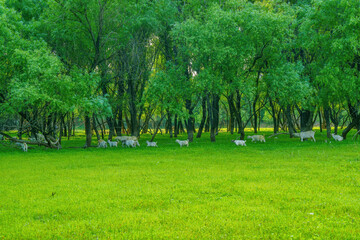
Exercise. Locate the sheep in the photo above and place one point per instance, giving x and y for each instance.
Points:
(102, 144)
(124, 138)
(132, 143)
(183, 143)
(256, 138)
(112, 144)
(337, 137)
(307, 134)
(239, 142)
(151, 144)
(23, 146)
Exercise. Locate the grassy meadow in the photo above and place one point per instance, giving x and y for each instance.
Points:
(281, 189)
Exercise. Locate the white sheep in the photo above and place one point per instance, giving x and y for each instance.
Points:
(102, 144)
(23, 146)
(239, 142)
(132, 143)
(337, 137)
(183, 143)
(151, 144)
(257, 138)
(124, 138)
(112, 144)
(306, 135)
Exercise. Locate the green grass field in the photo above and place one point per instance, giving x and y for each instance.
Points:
(281, 189)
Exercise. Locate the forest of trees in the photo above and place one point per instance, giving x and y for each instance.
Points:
(185, 65)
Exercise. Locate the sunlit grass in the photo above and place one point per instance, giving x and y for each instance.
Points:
(281, 189)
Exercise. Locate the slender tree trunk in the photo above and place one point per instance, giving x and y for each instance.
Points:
(327, 121)
(214, 117)
(176, 126)
(95, 128)
(190, 121)
(289, 121)
(110, 123)
(61, 128)
(207, 123)
(73, 123)
(276, 127)
(157, 128)
(255, 115)
(203, 119)
(320, 120)
(88, 130)
(20, 131)
(170, 127)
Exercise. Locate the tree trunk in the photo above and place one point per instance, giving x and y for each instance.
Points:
(207, 123)
(320, 120)
(88, 130)
(157, 129)
(289, 121)
(190, 121)
(110, 123)
(305, 120)
(20, 131)
(203, 119)
(276, 127)
(73, 123)
(214, 117)
(327, 120)
(176, 126)
(170, 127)
(95, 128)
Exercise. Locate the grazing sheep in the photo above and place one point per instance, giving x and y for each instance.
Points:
(124, 138)
(112, 144)
(337, 137)
(102, 144)
(306, 135)
(151, 144)
(23, 146)
(183, 143)
(239, 142)
(257, 138)
(132, 143)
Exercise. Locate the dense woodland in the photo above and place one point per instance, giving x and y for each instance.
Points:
(193, 66)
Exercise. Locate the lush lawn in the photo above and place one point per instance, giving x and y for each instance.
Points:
(281, 189)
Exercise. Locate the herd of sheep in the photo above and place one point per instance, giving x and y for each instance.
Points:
(132, 142)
